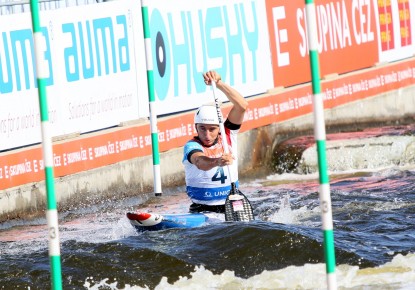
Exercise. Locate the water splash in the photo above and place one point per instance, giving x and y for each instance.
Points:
(310, 276)
(284, 215)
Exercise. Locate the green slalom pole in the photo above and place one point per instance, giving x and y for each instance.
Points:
(52, 212)
(320, 136)
(151, 97)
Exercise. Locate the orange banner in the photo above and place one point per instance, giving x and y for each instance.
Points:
(347, 38)
(101, 149)
(295, 102)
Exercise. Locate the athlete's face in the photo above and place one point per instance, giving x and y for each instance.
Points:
(207, 133)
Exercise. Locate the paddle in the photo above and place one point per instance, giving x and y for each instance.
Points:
(237, 205)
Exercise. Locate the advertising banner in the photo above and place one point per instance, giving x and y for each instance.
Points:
(192, 37)
(96, 61)
(92, 151)
(347, 38)
(298, 101)
(96, 77)
(396, 25)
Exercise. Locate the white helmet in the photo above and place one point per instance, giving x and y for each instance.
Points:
(207, 115)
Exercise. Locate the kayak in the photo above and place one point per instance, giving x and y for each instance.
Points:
(145, 221)
(237, 208)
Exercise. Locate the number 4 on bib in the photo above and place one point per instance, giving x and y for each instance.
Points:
(220, 176)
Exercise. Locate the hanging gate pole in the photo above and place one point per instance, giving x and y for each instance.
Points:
(320, 137)
(52, 212)
(151, 97)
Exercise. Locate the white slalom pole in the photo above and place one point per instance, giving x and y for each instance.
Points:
(153, 114)
(320, 136)
(52, 212)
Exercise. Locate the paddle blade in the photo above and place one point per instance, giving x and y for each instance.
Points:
(238, 208)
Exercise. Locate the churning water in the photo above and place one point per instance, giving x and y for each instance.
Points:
(374, 230)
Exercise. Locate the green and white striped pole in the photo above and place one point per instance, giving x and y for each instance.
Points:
(320, 136)
(151, 97)
(52, 212)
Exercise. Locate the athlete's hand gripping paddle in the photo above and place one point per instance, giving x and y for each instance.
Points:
(237, 205)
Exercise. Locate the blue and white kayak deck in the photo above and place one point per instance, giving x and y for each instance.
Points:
(145, 221)
(237, 208)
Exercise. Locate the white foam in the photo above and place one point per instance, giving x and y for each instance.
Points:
(358, 154)
(397, 274)
(286, 215)
(28, 239)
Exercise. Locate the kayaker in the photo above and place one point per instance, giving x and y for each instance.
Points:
(206, 165)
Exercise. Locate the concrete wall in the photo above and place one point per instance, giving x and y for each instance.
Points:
(135, 177)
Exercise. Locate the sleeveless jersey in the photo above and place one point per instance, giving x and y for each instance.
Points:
(211, 187)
